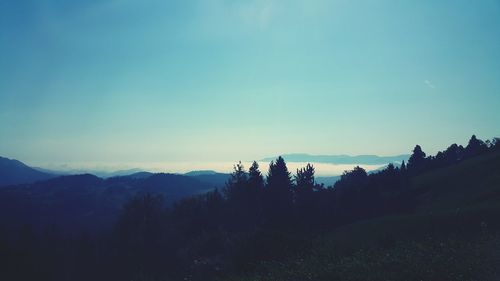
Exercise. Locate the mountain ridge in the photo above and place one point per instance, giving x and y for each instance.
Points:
(13, 172)
(367, 159)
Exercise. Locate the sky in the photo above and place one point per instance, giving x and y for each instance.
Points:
(129, 82)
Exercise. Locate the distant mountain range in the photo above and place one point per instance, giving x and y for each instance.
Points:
(327, 181)
(99, 173)
(342, 159)
(29, 195)
(41, 197)
(82, 201)
(15, 172)
(210, 177)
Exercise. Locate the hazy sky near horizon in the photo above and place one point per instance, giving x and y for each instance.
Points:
(125, 81)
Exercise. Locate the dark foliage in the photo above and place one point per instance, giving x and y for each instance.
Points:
(207, 236)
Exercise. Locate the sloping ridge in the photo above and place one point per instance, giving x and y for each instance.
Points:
(460, 196)
(471, 183)
(15, 172)
(454, 229)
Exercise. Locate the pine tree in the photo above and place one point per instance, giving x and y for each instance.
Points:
(279, 192)
(236, 185)
(278, 178)
(255, 178)
(255, 193)
(403, 167)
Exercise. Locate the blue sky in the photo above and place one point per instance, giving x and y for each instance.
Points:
(163, 81)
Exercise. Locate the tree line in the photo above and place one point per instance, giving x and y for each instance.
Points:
(253, 217)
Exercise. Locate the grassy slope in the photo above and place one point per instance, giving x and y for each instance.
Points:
(451, 197)
(453, 235)
(467, 184)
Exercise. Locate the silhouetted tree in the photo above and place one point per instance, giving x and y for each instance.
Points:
(453, 154)
(207, 235)
(304, 179)
(355, 178)
(304, 193)
(403, 167)
(243, 191)
(417, 161)
(350, 194)
(304, 184)
(279, 192)
(390, 169)
(386, 179)
(392, 177)
(236, 185)
(255, 178)
(475, 147)
(255, 191)
(495, 144)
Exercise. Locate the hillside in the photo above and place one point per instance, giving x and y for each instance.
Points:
(451, 235)
(434, 218)
(210, 177)
(15, 172)
(468, 184)
(86, 201)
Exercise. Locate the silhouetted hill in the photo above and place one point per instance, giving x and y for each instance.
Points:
(211, 177)
(15, 172)
(118, 173)
(327, 181)
(86, 201)
(455, 223)
(174, 187)
(200, 172)
(140, 175)
(434, 218)
(342, 159)
(54, 172)
(468, 184)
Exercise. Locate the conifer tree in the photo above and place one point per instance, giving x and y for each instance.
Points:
(279, 192)
(236, 185)
(255, 178)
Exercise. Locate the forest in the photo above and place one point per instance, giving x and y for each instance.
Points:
(266, 225)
